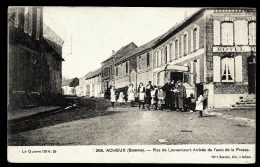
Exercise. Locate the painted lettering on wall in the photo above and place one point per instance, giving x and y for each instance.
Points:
(234, 49)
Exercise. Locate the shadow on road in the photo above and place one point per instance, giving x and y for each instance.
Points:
(41, 121)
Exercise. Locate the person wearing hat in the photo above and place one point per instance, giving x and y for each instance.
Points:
(168, 98)
(148, 97)
(180, 96)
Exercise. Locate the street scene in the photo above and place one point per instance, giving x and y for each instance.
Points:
(82, 76)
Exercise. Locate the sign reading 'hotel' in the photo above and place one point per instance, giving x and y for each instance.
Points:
(234, 49)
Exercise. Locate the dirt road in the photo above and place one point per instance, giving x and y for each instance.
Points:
(134, 127)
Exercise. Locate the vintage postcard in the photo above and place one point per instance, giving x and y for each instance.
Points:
(131, 85)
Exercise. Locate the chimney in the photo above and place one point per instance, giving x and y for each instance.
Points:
(113, 52)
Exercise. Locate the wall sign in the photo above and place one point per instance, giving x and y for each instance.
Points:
(234, 49)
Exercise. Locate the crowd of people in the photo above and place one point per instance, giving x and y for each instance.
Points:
(169, 97)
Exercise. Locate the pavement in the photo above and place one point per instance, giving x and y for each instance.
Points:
(21, 113)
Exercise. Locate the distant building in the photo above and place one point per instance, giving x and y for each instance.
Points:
(34, 57)
(108, 66)
(69, 86)
(93, 83)
(135, 67)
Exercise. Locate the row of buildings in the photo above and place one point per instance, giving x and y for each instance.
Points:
(34, 57)
(214, 49)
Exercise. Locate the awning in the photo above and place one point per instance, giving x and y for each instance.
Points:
(172, 67)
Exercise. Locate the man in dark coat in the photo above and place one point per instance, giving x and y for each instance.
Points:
(180, 96)
(148, 96)
(168, 98)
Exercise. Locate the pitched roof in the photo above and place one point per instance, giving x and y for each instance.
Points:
(71, 82)
(93, 73)
(121, 52)
(138, 49)
(54, 40)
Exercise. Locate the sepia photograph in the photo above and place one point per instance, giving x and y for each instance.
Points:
(131, 84)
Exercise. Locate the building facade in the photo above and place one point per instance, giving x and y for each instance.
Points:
(135, 67)
(108, 66)
(93, 83)
(69, 86)
(34, 60)
(213, 49)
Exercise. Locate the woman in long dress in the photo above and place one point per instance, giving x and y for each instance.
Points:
(113, 96)
(131, 93)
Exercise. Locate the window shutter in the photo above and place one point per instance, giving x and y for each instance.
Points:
(241, 32)
(216, 69)
(197, 38)
(182, 45)
(238, 68)
(216, 31)
(191, 40)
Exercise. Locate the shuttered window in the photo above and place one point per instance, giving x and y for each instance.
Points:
(26, 19)
(38, 24)
(16, 19)
(30, 21)
(227, 66)
(170, 52)
(252, 33)
(227, 33)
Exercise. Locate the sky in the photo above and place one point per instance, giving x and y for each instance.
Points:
(91, 33)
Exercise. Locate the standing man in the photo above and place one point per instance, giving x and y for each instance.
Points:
(181, 96)
(148, 96)
(168, 98)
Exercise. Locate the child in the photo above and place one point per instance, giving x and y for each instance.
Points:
(121, 98)
(199, 104)
(161, 98)
(112, 96)
(141, 99)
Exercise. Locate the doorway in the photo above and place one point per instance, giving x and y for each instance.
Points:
(251, 74)
(175, 76)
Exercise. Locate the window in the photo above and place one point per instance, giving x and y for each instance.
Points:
(227, 33)
(30, 21)
(252, 33)
(38, 24)
(126, 67)
(157, 59)
(140, 62)
(16, 21)
(170, 52)
(165, 54)
(161, 57)
(176, 49)
(185, 44)
(26, 19)
(194, 39)
(148, 59)
(227, 66)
